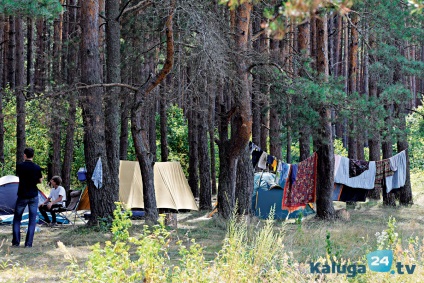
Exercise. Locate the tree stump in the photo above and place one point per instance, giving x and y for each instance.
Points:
(171, 220)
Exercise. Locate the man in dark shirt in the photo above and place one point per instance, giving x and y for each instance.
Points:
(29, 175)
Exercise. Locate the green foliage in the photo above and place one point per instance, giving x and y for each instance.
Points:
(177, 134)
(36, 133)
(333, 250)
(415, 125)
(338, 148)
(40, 8)
(389, 238)
(121, 223)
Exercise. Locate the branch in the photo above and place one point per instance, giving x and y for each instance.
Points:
(140, 6)
(122, 11)
(71, 6)
(271, 64)
(84, 86)
(169, 61)
(422, 115)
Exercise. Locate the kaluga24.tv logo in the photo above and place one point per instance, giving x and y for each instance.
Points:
(378, 261)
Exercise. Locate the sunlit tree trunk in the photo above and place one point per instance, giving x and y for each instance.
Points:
(101, 199)
(325, 167)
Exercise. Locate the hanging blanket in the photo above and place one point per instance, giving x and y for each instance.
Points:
(382, 172)
(365, 180)
(398, 166)
(302, 191)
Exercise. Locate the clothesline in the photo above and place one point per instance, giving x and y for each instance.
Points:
(351, 177)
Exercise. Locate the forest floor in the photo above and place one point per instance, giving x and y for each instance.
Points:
(307, 240)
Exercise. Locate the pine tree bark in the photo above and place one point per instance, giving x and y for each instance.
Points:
(11, 55)
(212, 144)
(112, 97)
(205, 194)
(19, 90)
(325, 167)
(241, 128)
(138, 130)
(374, 140)
(56, 103)
(71, 57)
(163, 106)
(40, 72)
(388, 198)
(2, 31)
(352, 83)
(29, 57)
(303, 47)
(101, 199)
(193, 136)
(275, 126)
(244, 188)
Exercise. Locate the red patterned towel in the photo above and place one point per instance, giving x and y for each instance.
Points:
(302, 191)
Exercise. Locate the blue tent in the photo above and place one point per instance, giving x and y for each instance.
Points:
(268, 195)
(8, 197)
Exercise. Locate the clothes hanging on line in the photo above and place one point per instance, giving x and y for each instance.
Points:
(302, 191)
(363, 181)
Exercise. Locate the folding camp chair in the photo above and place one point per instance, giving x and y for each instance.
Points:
(71, 208)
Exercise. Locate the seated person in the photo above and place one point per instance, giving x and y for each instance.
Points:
(57, 198)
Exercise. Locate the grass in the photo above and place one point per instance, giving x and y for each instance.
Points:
(310, 240)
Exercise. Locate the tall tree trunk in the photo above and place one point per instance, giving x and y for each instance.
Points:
(138, 130)
(40, 72)
(244, 180)
(11, 55)
(205, 194)
(29, 56)
(352, 83)
(325, 167)
(193, 139)
(303, 47)
(405, 193)
(241, 128)
(338, 64)
(2, 32)
(212, 110)
(56, 103)
(388, 198)
(19, 91)
(164, 152)
(70, 69)
(101, 199)
(374, 140)
(112, 97)
(275, 127)
(123, 138)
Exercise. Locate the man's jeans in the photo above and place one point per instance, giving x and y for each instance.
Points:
(21, 203)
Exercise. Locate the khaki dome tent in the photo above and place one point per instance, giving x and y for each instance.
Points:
(171, 187)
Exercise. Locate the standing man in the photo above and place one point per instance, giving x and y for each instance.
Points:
(29, 175)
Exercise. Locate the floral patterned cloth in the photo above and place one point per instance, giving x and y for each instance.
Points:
(302, 191)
